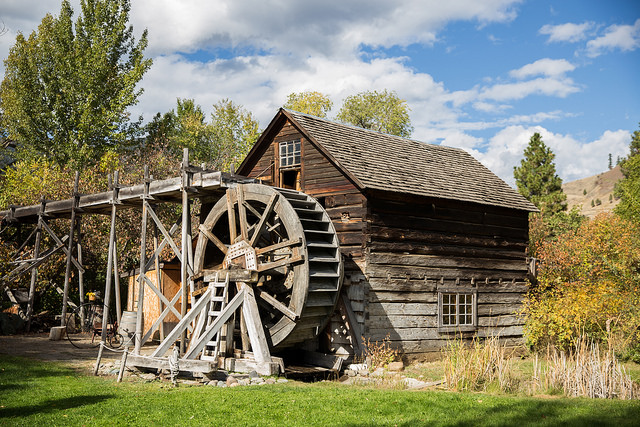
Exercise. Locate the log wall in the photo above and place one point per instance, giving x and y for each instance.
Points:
(417, 247)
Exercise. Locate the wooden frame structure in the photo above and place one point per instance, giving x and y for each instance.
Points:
(194, 182)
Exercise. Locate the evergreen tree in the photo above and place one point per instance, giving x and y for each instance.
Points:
(628, 188)
(537, 180)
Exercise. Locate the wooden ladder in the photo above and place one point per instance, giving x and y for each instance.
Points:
(218, 301)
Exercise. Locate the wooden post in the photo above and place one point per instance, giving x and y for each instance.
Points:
(80, 271)
(116, 282)
(107, 286)
(34, 271)
(143, 264)
(158, 277)
(185, 242)
(67, 273)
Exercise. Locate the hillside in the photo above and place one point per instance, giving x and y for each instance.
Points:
(597, 187)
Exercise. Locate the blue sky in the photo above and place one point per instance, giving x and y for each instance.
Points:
(483, 75)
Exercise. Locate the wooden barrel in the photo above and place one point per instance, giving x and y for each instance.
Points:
(127, 326)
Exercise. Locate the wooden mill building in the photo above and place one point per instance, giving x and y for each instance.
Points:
(434, 242)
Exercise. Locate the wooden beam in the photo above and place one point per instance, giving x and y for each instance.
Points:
(255, 328)
(273, 302)
(263, 219)
(213, 239)
(67, 272)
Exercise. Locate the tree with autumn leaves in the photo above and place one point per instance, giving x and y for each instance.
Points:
(588, 281)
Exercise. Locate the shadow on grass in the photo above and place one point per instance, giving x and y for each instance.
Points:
(53, 405)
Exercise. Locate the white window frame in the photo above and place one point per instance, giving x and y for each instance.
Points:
(292, 153)
(444, 309)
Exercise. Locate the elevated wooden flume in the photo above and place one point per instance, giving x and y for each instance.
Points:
(265, 274)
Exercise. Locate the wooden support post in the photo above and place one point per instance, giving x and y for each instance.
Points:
(123, 363)
(107, 286)
(255, 328)
(72, 227)
(34, 270)
(143, 264)
(158, 276)
(80, 272)
(186, 215)
(116, 282)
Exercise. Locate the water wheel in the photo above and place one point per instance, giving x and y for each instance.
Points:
(288, 244)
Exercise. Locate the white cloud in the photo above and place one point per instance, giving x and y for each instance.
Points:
(545, 67)
(335, 27)
(568, 32)
(541, 86)
(574, 159)
(623, 37)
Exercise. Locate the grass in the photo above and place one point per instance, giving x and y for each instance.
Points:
(44, 393)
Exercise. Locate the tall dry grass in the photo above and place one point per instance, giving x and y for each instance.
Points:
(585, 371)
(478, 365)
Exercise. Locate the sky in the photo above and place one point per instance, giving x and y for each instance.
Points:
(481, 75)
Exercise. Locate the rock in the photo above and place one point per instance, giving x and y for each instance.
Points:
(379, 372)
(148, 377)
(395, 366)
(282, 380)
(270, 381)
(257, 380)
(234, 384)
(363, 373)
(253, 374)
(414, 383)
(221, 384)
(231, 380)
(350, 372)
(244, 381)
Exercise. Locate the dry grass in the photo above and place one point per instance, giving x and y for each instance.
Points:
(585, 371)
(478, 366)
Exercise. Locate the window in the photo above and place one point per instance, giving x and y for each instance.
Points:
(290, 153)
(457, 310)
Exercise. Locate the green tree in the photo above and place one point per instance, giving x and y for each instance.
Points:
(309, 102)
(67, 87)
(537, 180)
(380, 111)
(628, 188)
(234, 130)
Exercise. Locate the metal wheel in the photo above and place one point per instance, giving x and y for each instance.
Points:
(81, 325)
(288, 240)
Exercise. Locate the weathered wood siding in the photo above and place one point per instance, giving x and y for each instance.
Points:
(416, 247)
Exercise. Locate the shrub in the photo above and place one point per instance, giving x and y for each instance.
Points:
(588, 283)
(379, 354)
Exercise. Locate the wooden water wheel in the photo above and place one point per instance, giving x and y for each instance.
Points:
(284, 243)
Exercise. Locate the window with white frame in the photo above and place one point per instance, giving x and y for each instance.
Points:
(290, 153)
(457, 309)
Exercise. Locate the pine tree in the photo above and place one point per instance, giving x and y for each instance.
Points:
(537, 180)
(628, 188)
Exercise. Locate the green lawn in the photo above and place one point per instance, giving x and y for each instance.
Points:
(47, 394)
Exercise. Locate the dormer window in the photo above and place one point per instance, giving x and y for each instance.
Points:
(290, 153)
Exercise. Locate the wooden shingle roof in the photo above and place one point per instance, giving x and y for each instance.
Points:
(378, 161)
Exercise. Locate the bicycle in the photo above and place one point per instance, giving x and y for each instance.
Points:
(85, 322)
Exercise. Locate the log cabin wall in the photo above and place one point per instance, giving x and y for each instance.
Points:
(418, 249)
(346, 206)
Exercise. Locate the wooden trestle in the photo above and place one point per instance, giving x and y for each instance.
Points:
(193, 183)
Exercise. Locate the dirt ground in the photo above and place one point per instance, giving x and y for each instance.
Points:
(38, 346)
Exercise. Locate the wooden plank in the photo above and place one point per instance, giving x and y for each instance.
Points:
(255, 329)
(446, 262)
(403, 297)
(392, 308)
(402, 321)
(420, 273)
(185, 365)
(223, 248)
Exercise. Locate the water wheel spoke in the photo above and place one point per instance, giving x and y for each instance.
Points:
(213, 239)
(272, 302)
(242, 212)
(231, 213)
(295, 257)
(284, 244)
(263, 219)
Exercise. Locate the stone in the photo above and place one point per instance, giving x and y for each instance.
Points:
(379, 372)
(414, 383)
(243, 381)
(257, 380)
(282, 380)
(231, 380)
(350, 372)
(253, 374)
(221, 384)
(395, 366)
(270, 381)
(234, 385)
